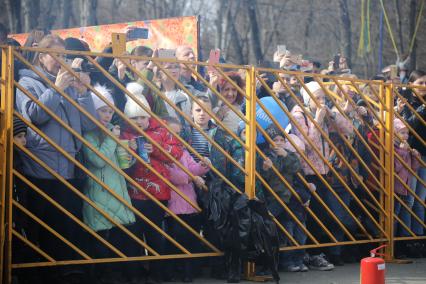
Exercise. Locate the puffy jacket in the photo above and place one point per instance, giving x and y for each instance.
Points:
(48, 125)
(184, 183)
(287, 166)
(158, 160)
(341, 125)
(401, 171)
(102, 170)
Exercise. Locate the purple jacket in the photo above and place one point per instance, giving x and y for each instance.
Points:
(400, 169)
(184, 183)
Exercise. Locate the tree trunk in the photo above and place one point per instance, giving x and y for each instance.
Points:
(346, 43)
(66, 13)
(88, 13)
(13, 8)
(254, 31)
(308, 24)
(235, 37)
(413, 54)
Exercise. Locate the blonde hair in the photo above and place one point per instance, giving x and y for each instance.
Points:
(47, 42)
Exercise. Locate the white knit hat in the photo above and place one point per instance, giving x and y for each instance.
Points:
(313, 87)
(105, 93)
(132, 109)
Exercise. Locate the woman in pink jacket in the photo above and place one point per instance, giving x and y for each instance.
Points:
(329, 120)
(181, 207)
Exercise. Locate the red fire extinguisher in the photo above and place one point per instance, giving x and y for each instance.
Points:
(373, 268)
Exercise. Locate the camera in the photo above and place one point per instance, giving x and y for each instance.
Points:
(85, 66)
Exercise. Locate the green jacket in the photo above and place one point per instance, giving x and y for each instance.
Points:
(237, 177)
(118, 211)
(288, 167)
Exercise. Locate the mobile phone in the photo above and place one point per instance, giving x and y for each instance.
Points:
(166, 53)
(140, 142)
(213, 59)
(118, 43)
(137, 33)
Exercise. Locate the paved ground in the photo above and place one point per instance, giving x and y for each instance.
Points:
(414, 273)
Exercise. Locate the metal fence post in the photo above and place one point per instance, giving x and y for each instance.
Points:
(250, 154)
(6, 184)
(389, 165)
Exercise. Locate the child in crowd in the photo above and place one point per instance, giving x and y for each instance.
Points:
(403, 152)
(107, 174)
(182, 208)
(147, 179)
(292, 261)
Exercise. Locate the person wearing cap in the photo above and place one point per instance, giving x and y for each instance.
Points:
(139, 112)
(115, 182)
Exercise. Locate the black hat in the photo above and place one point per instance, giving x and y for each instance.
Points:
(72, 43)
(18, 126)
(273, 131)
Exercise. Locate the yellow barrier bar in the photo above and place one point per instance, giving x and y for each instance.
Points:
(102, 127)
(250, 154)
(320, 155)
(130, 180)
(115, 260)
(409, 209)
(75, 219)
(33, 246)
(158, 92)
(50, 229)
(350, 100)
(118, 197)
(389, 164)
(9, 164)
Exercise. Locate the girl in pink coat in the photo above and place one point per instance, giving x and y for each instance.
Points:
(181, 207)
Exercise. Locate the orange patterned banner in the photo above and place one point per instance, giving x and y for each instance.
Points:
(163, 33)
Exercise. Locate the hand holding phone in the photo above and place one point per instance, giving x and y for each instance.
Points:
(166, 53)
(213, 59)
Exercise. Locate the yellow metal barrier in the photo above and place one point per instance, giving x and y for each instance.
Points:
(374, 197)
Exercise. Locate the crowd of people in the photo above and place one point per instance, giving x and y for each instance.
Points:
(185, 138)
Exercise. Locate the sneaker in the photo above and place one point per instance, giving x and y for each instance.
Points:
(292, 268)
(303, 268)
(319, 262)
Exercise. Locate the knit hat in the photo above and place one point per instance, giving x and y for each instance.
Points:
(241, 127)
(313, 87)
(132, 109)
(105, 92)
(398, 125)
(18, 126)
(273, 131)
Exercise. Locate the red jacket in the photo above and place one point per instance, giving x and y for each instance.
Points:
(159, 161)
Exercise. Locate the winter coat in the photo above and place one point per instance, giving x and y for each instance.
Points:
(401, 171)
(288, 167)
(158, 160)
(184, 183)
(417, 125)
(230, 119)
(48, 125)
(340, 124)
(115, 181)
(237, 177)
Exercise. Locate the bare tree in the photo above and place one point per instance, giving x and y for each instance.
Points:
(345, 28)
(88, 12)
(254, 30)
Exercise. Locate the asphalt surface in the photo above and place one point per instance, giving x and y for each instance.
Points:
(414, 273)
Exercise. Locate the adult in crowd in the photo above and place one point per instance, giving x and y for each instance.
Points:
(46, 95)
(230, 93)
(416, 97)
